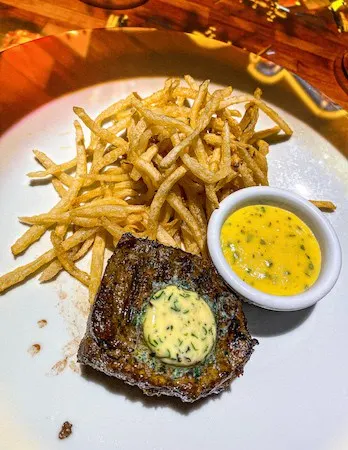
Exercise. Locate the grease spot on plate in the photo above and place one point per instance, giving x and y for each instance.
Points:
(62, 295)
(75, 367)
(58, 367)
(42, 323)
(34, 349)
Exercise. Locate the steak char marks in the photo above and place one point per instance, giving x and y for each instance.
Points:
(114, 343)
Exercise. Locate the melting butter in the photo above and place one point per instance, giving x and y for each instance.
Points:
(179, 326)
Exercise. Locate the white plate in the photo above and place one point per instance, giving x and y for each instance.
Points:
(294, 393)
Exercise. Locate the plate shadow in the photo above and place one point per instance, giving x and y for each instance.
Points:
(265, 323)
(134, 394)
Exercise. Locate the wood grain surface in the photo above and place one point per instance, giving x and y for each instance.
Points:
(48, 68)
(309, 45)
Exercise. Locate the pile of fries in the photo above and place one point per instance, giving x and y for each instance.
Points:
(156, 167)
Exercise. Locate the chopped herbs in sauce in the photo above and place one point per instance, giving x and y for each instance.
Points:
(271, 249)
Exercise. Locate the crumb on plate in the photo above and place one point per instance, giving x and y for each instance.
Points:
(65, 431)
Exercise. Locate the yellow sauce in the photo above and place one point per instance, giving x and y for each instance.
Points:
(271, 249)
(179, 326)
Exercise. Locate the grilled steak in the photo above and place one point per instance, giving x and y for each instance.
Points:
(114, 341)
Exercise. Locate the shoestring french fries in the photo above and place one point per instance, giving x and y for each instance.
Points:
(156, 167)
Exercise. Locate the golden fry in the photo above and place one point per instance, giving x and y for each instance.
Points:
(118, 170)
(58, 186)
(141, 146)
(185, 92)
(211, 195)
(263, 147)
(53, 170)
(177, 204)
(252, 114)
(89, 195)
(47, 163)
(23, 272)
(160, 198)
(234, 100)
(234, 125)
(158, 170)
(35, 232)
(212, 139)
(200, 152)
(66, 262)
(214, 160)
(263, 134)
(109, 178)
(149, 170)
(84, 248)
(259, 176)
(174, 111)
(324, 204)
(103, 133)
(53, 269)
(196, 208)
(114, 229)
(274, 116)
(197, 169)
(198, 103)
(97, 264)
(178, 150)
(150, 153)
(189, 243)
(106, 160)
(225, 181)
(188, 184)
(161, 119)
(112, 111)
(164, 237)
(246, 175)
(261, 161)
(81, 156)
(191, 82)
(115, 211)
(47, 220)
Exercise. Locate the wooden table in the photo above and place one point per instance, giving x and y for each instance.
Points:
(308, 45)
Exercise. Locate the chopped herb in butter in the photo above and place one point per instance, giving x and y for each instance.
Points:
(179, 326)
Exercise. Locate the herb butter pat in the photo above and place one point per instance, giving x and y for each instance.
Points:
(179, 326)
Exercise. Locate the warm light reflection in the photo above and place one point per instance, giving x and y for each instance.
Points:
(302, 190)
(78, 41)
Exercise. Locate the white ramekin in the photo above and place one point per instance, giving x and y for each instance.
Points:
(310, 214)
